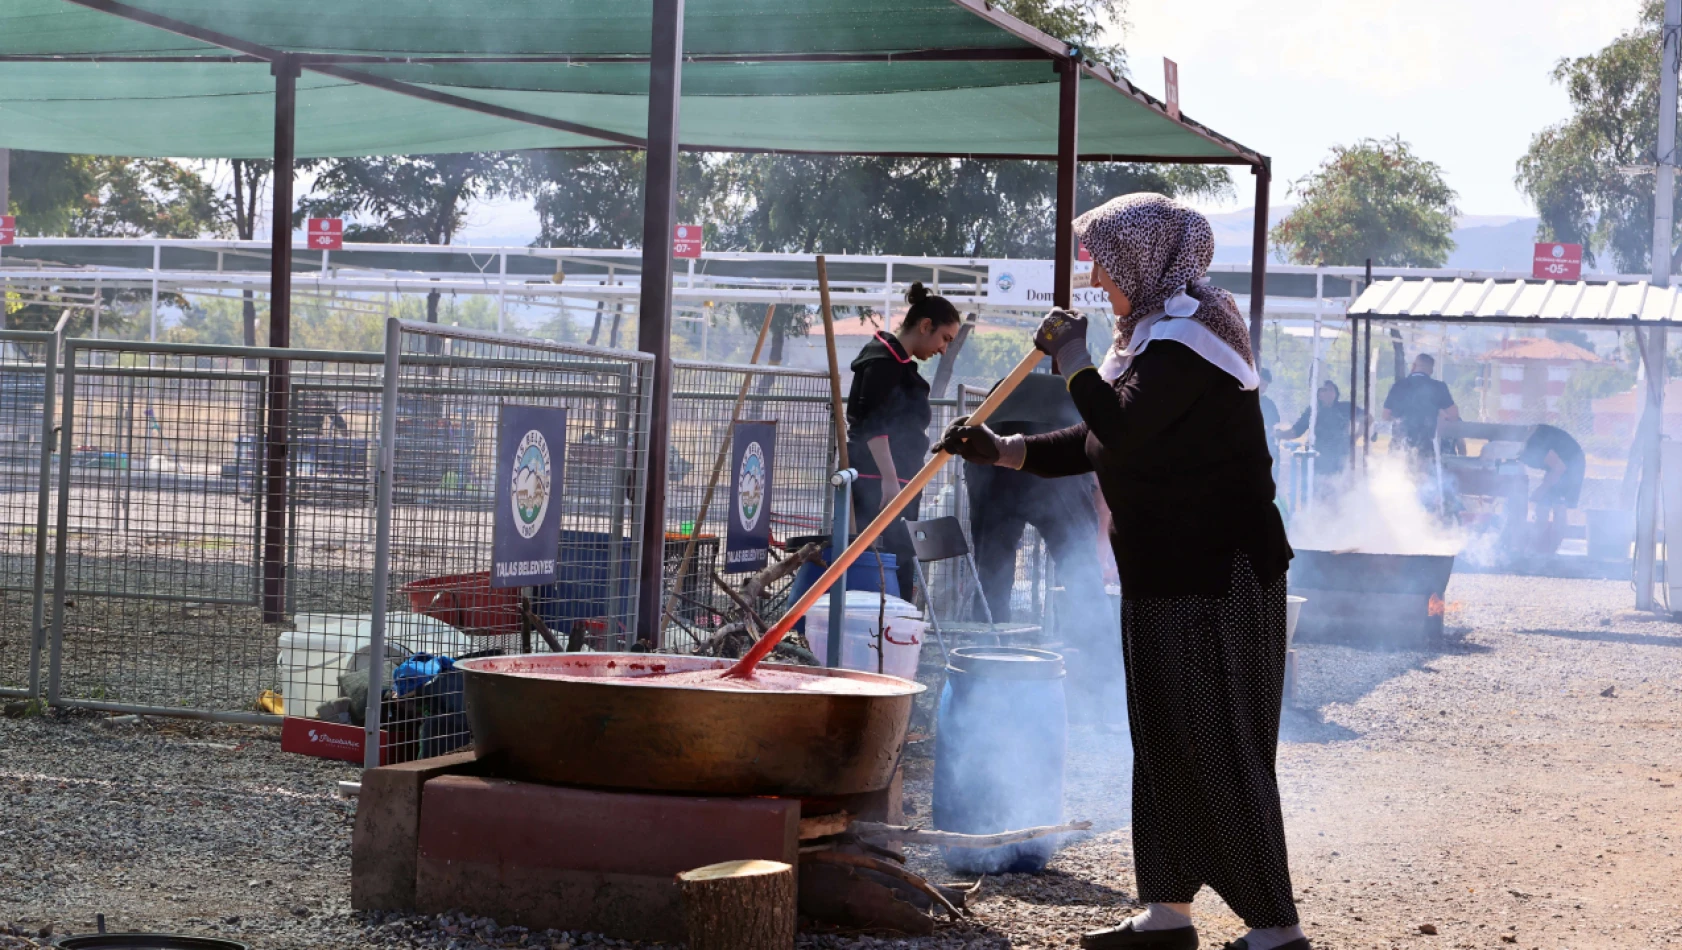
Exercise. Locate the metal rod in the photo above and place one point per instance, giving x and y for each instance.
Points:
(1366, 395)
(1647, 499)
(309, 60)
(67, 439)
(1354, 390)
(49, 405)
(1258, 259)
(382, 541)
(654, 316)
(280, 337)
(1068, 167)
(841, 525)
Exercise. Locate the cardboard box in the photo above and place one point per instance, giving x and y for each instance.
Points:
(327, 740)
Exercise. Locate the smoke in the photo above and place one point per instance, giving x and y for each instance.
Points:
(1390, 509)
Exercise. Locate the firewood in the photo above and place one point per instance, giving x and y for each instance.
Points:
(739, 905)
(823, 826)
(754, 589)
(883, 867)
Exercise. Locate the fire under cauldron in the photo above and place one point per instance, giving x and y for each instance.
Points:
(1390, 601)
(594, 730)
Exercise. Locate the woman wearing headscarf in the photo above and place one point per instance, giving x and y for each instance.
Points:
(1172, 426)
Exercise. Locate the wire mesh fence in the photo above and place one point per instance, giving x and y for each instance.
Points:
(705, 401)
(445, 390)
(28, 380)
(157, 568)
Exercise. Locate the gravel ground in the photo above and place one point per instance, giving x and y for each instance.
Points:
(1517, 787)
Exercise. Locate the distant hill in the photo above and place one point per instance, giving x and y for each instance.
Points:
(1482, 241)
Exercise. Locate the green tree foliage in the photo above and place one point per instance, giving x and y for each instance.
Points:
(48, 190)
(1590, 176)
(146, 197)
(1079, 22)
(1374, 199)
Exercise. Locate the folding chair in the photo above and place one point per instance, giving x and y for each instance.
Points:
(941, 539)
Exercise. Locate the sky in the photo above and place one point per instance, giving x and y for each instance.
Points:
(1466, 82)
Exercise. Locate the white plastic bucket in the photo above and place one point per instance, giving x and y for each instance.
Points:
(1293, 613)
(313, 656)
(901, 647)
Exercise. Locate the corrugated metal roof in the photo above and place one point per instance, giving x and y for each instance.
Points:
(1518, 301)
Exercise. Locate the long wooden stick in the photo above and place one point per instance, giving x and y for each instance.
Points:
(718, 463)
(890, 511)
(834, 365)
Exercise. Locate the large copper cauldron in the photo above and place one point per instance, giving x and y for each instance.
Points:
(608, 734)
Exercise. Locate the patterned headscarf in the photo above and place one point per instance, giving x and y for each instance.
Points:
(1155, 248)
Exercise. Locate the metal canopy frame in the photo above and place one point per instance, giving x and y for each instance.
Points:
(665, 62)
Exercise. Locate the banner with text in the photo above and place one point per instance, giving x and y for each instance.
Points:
(526, 527)
(747, 544)
(1027, 284)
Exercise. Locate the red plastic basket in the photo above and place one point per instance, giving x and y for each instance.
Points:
(467, 602)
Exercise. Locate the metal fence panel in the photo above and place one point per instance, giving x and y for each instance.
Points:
(157, 575)
(28, 381)
(704, 401)
(445, 388)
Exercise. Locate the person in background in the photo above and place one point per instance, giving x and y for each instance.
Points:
(1270, 418)
(1331, 435)
(1563, 464)
(1417, 404)
(1002, 502)
(889, 397)
(1172, 427)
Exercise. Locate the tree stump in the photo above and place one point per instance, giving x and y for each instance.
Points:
(739, 905)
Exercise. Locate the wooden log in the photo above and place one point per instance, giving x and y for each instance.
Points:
(739, 905)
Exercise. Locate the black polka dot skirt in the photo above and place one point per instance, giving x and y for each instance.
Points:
(1204, 682)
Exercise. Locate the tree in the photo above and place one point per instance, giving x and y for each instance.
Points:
(1375, 199)
(48, 189)
(241, 214)
(1590, 176)
(145, 197)
(409, 199)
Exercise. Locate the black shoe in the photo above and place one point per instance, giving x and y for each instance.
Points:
(1301, 943)
(1125, 937)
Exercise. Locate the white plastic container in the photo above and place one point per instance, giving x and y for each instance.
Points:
(901, 647)
(1293, 613)
(313, 656)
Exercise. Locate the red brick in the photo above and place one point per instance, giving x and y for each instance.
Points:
(565, 858)
(387, 835)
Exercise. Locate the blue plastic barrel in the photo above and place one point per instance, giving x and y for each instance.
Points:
(864, 574)
(999, 751)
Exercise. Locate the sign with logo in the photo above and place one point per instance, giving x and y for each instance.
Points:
(328, 740)
(526, 522)
(8, 229)
(1171, 83)
(1027, 284)
(326, 234)
(747, 544)
(1558, 262)
(686, 240)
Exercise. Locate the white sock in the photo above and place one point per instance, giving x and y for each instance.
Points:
(1163, 917)
(1266, 938)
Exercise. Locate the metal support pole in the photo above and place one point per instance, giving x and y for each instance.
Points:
(1366, 393)
(502, 293)
(654, 316)
(49, 407)
(1354, 390)
(157, 264)
(1258, 259)
(382, 540)
(1068, 166)
(840, 528)
(285, 71)
(1647, 500)
(5, 180)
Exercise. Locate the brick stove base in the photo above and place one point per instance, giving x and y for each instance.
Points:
(438, 835)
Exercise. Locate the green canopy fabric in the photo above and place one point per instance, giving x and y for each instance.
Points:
(75, 79)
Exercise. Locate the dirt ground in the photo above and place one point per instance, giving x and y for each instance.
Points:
(1518, 787)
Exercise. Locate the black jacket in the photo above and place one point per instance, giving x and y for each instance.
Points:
(1182, 460)
(888, 397)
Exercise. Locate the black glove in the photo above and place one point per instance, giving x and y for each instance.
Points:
(976, 444)
(1062, 336)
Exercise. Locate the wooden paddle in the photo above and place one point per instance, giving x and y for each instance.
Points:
(744, 667)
